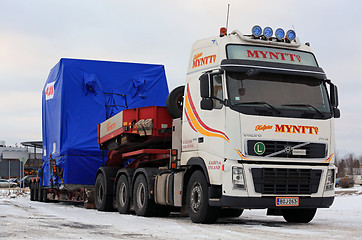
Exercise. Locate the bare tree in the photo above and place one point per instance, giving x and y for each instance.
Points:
(350, 164)
(341, 165)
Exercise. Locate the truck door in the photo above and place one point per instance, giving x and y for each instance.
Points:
(206, 131)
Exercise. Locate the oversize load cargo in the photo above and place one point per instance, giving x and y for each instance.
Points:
(78, 95)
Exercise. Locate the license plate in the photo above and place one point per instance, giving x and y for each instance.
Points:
(286, 201)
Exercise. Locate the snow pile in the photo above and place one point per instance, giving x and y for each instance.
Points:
(22, 218)
(354, 191)
(14, 193)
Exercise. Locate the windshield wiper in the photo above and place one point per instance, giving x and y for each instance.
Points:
(262, 103)
(305, 105)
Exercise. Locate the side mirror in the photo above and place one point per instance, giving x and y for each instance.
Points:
(336, 113)
(206, 104)
(334, 95)
(205, 85)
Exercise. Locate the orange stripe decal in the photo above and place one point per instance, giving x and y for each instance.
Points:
(196, 123)
(241, 155)
(189, 121)
(329, 158)
(192, 107)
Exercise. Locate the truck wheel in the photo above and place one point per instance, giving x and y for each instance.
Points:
(36, 191)
(299, 215)
(102, 199)
(143, 206)
(123, 195)
(197, 200)
(32, 193)
(174, 102)
(231, 213)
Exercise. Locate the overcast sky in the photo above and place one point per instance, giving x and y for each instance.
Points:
(35, 34)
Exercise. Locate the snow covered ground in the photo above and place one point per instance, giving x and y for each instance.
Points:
(20, 218)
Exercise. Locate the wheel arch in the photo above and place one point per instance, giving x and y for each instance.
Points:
(109, 173)
(193, 164)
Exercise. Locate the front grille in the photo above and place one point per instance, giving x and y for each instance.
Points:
(286, 181)
(280, 149)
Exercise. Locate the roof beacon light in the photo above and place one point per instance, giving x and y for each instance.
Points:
(268, 32)
(279, 34)
(257, 31)
(223, 32)
(291, 35)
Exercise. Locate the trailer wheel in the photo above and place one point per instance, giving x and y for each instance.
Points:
(123, 197)
(32, 192)
(102, 199)
(36, 191)
(174, 102)
(231, 213)
(143, 206)
(44, 194)
(40, 192)
(197, 200)
(299, 215)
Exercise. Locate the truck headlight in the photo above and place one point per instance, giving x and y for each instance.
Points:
(238, 178)
(330, 179)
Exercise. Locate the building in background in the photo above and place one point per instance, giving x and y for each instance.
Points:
(13, 158)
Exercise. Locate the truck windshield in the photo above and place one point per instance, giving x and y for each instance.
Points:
(278, 95)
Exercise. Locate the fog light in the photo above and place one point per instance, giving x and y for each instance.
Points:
(238, 178)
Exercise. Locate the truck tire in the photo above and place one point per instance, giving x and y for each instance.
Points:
(32, 192)
(102, 199)
(174, 102)
(197, 200)
(123, 197)
(299, 215)
(143, 205)
(231, 212)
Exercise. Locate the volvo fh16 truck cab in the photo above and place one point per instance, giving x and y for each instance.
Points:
(258, 118)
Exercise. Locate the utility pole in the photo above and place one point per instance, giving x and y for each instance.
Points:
(9, 177)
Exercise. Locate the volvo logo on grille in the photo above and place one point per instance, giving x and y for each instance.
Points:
(288, 149)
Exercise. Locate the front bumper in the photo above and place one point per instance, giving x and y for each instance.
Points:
(269, 202)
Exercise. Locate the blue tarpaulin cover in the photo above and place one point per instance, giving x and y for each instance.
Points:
(80, 94)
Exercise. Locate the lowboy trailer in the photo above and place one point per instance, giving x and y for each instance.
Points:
(251, 129)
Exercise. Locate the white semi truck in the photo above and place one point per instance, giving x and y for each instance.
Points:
(253, 128)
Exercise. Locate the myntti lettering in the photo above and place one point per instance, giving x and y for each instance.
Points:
(296, 129)
(198, 60)
(274, 55)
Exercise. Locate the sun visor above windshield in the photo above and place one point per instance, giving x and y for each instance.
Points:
(254, 67)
